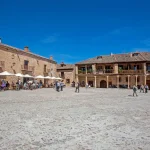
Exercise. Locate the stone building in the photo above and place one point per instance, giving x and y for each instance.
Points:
(15, 60)
(66, 72)
(117, 70)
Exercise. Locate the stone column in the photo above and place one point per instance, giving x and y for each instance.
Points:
(115, 68)
(76, 73)
(107, 82)
(86, 81)
(95, 81)
(94, 68)
(85, 69)
(76, 69)
(118, 81)
(144, 68)
(145, 80)
(77, 79)
(136, 79)
(128, 81)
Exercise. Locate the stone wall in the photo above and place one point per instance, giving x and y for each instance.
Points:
(14, 60)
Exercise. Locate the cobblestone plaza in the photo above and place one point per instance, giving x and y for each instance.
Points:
(94, 119)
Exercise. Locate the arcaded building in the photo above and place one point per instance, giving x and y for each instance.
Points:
(15, 60)
(66, 72)
(115, 70)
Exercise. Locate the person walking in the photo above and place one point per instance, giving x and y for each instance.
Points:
(135, 90)
(77, 87)
(58, 86)
(146, 88)
(61, 86)
(142, 88)
(86, 86)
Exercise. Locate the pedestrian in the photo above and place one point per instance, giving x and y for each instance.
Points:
(17, 85)
(61, 85)
(135, 90)
(146, 88)
(77, 87)
(142, 88)
(86, 86)
(58, 86)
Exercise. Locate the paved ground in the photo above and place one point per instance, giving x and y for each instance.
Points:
(96, 119)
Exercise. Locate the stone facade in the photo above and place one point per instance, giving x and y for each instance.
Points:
(14, 60)
(115, 70)
(66, 72)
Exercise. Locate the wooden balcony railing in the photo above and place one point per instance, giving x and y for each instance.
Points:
(130, 71)
(105, 71)
(27, 68)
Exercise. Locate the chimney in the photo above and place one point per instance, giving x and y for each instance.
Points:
(26, 49)
(51, 58)
(0, 40)
(111, 54)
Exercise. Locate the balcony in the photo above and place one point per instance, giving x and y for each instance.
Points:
(130, 71)
(101, 71)
(104, 71)
(27, 68)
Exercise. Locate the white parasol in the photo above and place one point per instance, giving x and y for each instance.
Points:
(48, 77)
(5, 73)
(19, 75)
(58, 78)
(53, 78)
(27, 76)
(39, 77)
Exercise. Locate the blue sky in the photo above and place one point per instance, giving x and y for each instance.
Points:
(74, 30)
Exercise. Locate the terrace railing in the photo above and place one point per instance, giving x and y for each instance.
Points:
(130, 71)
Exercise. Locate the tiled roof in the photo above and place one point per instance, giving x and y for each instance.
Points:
(115, 58)
(65, 66)
(20, 50)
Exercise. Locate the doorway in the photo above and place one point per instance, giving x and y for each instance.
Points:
(90, 83)
(103, 84)
(148, 83)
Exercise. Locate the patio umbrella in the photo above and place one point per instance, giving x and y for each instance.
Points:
(27, 76)
(48, 77)
(53, 78)
(19, 75)
(39, 77)
(58, 78)
(5, 73)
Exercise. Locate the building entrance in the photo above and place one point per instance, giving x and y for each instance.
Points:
(103, 84)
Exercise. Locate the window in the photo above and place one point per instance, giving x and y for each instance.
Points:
(62, 74)
(107, 67)
(99, 68)
(138, 79)
(44, 68)
(126, 79)
(68, 81)
(26, 62)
